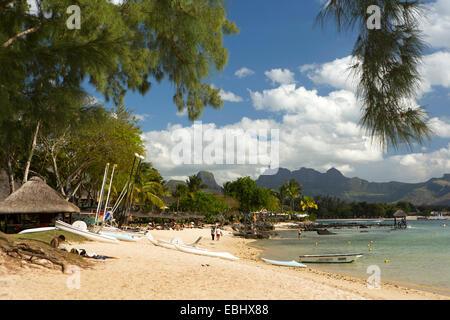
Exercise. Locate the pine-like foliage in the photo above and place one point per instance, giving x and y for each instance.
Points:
(386, 64)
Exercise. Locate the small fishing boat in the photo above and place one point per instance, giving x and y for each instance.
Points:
(84, 233)
(330, 258)
(37, 230)
(292, 263)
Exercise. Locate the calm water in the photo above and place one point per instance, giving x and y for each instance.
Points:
(418, 255)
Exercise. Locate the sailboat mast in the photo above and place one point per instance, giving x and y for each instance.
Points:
(109, 192)
(99, 205)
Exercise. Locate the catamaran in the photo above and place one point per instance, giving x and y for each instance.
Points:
(330, 258)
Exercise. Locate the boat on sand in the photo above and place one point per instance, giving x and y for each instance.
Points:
(76, 229)
(205, 252)
(37, 230)
(292, 263)
(192, 248)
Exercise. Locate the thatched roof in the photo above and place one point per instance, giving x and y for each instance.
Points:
(399, 213)
(176, 216)
(36, 196)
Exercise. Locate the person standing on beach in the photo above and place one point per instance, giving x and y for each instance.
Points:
(218, 233)
(299, 233)
(213, 233)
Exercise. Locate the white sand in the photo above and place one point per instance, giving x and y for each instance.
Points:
(145, 271)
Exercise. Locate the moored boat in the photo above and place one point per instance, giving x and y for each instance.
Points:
(330, 258)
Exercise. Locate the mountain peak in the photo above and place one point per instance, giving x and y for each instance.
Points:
(209, 180)
(335, 172)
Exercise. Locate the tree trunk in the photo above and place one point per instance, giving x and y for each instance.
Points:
(30, 156)
(58, 179)
(9, 171)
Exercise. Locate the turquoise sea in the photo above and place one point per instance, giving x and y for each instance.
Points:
(418, 255)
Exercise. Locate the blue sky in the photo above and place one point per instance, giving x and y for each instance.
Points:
(289, 58)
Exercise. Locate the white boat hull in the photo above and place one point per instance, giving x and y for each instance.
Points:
(37, 230)
(87, 234)
(177, 244)
(330, 258)
(292, 263)
(120, 236)
(204, 252)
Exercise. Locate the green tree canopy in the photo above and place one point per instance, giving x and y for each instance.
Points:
(250, 196)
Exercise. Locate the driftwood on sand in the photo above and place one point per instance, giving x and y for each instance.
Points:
(20, 253)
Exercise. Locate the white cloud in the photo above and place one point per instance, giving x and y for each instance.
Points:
(141, 117)
(280, 76)
(336, 73)
(315, 131)
(230, 96)
(434, 71)
(338, 105)
(436, 24)
(441, 128)
(418, 167)
(243, 72)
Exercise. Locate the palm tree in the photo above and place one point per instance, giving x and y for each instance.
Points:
(308, 202)
(148, 186)
(194, 184)
(386, 63)
(180, 192)
(293, 191)
(282, 194)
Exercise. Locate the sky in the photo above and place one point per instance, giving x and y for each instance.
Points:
(286, 73)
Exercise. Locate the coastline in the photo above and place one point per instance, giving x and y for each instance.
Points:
(144, 271)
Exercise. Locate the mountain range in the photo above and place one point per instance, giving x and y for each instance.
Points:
(435, 191)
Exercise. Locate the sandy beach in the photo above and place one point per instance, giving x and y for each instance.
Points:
(145, 271)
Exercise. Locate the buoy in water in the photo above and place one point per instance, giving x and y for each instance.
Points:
(349, 242)
(370, 249)
(386, 261)
(315, 243)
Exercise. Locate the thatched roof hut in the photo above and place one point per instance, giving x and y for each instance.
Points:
(36, 196)
(399, 214)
